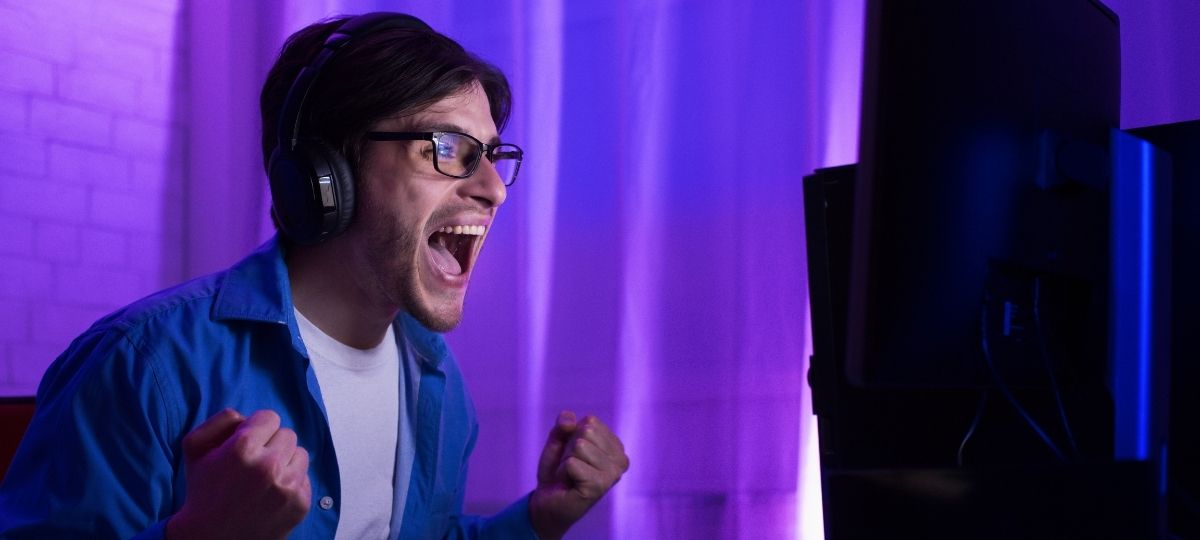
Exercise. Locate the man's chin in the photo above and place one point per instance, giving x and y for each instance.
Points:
(438, 321)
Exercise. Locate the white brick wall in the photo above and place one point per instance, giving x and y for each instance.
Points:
(90, 145)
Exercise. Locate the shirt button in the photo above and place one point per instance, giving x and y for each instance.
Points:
(326, 502)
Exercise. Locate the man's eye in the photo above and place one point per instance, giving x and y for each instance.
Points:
(445, 151)
(468, 156)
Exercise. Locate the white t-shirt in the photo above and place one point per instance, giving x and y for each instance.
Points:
(362, 392)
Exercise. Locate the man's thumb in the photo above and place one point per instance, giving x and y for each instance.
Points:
(211, 433)
(555, 442)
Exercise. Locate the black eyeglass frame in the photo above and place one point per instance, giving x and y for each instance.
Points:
(489, 150)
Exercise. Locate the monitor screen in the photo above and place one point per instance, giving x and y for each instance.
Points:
(980, 218)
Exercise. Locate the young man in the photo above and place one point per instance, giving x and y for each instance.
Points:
(304, 391)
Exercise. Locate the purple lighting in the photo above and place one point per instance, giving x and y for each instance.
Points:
(642, 245)
(648, 266)
(93, 155)
(544, 50)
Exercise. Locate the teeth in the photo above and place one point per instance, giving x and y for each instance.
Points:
(473, 230)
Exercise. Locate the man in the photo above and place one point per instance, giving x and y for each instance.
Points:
(304, 391)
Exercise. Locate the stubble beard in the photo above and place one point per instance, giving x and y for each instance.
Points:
(395, 256)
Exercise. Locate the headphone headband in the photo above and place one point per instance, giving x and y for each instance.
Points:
(292, 114)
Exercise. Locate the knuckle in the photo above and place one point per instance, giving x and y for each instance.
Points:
(259, 473)
(243, 446)
(264, 462)
(285, 483)
(300, 462)
(269, 416)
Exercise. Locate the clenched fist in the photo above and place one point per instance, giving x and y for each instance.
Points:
(246, 478)
(579, 464)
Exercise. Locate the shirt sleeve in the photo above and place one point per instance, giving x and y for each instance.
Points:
(95, 461)
(511, 523)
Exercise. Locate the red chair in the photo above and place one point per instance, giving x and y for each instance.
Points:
(15, 414)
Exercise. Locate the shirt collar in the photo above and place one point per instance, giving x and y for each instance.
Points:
(430, 346)
(257, 289)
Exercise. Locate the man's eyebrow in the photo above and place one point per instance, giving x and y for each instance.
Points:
(450, 126)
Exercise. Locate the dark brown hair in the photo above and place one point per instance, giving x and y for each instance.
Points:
(389, 72)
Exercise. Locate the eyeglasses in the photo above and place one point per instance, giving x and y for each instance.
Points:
(457, 154)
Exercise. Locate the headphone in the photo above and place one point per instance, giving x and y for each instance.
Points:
(312, 185)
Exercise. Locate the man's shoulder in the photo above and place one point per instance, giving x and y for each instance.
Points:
(202, 302)
(117, 347)
(171, 331)
(191, 301)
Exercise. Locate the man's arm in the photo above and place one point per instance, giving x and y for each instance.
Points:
(100, 457)
(512, 523)
(580, 463)
(96, 460)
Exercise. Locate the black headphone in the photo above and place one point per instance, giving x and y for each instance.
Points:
(312, 185)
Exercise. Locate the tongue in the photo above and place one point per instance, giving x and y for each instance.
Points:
(443, 259)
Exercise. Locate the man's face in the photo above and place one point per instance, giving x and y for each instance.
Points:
(406, 257)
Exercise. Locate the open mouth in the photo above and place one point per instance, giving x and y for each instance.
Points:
(454, 247)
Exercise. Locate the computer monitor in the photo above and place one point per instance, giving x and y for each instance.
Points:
(1001, 238)
(981, 210)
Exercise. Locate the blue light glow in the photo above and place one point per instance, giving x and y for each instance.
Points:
(1145, 289)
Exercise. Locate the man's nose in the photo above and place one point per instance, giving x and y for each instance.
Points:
(485, 185)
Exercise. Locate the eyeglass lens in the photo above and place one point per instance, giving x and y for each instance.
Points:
(457, 156)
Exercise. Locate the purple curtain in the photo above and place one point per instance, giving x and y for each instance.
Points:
(649, 265)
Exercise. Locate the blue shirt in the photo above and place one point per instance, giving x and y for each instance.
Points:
(102, 456)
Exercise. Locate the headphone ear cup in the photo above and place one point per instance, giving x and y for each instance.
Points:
(343, 182)
(291, 202)
(312, 185)
(312, 192)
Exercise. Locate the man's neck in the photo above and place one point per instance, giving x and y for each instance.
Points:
(328, 293)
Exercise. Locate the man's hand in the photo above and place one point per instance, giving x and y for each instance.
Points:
(246, 478)
(579, 464)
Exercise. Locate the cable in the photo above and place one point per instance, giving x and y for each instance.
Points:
(1041, 339)
(974, 424)
(987, 356)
